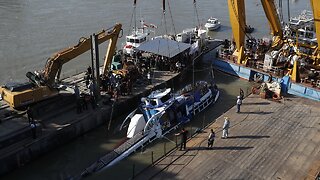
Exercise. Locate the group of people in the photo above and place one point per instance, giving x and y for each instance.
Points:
(162, 63)
(212, 135)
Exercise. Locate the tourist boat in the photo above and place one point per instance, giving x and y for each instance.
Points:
(212, 24)
(158, 114)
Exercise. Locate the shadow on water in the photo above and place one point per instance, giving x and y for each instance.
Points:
(248, 137)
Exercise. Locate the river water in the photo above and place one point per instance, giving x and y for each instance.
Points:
(32, 30)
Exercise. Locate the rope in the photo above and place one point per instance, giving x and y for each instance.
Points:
(196, 12)
(174, 28)
(133, 12)
(166, 30)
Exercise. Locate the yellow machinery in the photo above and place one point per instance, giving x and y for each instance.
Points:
(315, 4)
(238, 22)
(270, 10)
(43, 86)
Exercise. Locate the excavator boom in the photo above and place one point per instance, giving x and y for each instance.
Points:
(54, 63)
(42, 88)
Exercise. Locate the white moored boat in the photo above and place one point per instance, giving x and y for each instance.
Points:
(212, 24)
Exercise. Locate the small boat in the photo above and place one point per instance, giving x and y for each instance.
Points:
(212, 24)
(304, 19)
(157, 115)
(134, 40)
(249, 29)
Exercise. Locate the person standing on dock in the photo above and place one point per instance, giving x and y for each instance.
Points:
(211, 137)
(78, 100)
(225, 128)
(239, 102)
(184, 137)
(241, 94)
(30, 115)
(149, 77)
(33, 127)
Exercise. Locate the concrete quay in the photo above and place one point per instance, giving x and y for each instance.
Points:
(267, 140)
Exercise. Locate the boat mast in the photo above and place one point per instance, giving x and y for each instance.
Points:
(134, 16)
(196, 11)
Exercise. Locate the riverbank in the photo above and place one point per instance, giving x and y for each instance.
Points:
(267, 140)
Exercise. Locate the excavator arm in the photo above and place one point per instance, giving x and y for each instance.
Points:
(54, 64)
(237, 20)
(24, 95)
(270, 11)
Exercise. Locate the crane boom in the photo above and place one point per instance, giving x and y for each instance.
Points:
(54, 63)
(237, 20)
(315, 5)
(270, 11)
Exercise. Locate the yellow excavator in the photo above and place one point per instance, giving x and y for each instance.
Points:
(238, 24)
(43, 85)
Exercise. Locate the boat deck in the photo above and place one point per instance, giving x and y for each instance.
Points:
(267, 140)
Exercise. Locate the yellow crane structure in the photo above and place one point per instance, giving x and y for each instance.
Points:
(270, 11)
(43, 86)
(238, 24)
(238, 21)
(315, 4)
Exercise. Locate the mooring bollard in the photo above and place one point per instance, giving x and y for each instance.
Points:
(176, 141)
(151, 157)
(133, 167)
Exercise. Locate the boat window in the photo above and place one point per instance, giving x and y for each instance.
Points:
(300, 34)
(165, 98)
(309, 35)
(131, 40)
(137, 41)
(153, 102)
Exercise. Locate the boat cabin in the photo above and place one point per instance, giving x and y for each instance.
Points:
(158, 98)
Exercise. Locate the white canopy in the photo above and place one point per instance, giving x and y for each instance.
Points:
(164, 47)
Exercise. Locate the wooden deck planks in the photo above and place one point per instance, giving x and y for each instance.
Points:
(268, 140)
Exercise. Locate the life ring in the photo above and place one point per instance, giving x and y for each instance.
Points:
(275, 96)
(254, 90)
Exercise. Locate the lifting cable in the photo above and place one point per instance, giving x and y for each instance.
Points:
(196, 12)
(133, 14)
(174, 28)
